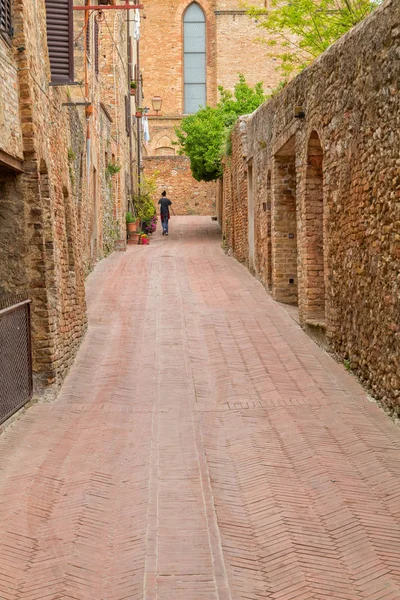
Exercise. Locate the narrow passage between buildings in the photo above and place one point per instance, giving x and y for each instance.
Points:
(202, 447)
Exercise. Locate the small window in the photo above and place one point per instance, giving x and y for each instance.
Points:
(60, 40)
(5, 19)
(194, 44)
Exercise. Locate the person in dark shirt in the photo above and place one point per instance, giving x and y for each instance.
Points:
(164, 203)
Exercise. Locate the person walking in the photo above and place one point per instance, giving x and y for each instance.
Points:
(164, 203)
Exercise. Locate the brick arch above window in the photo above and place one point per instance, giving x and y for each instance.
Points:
(164, 147)
(165, 151)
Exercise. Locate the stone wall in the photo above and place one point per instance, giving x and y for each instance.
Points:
(323, 193)
(60, 210)
(11, 135)
(189, 197)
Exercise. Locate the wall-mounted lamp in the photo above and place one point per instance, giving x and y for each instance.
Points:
(299, 112)
(156, 103)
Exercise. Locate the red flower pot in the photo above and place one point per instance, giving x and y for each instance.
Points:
(144, 241)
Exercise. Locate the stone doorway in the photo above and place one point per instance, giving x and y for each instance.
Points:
(313, 303)
(269, 232)
(284, 226)
(250, 198)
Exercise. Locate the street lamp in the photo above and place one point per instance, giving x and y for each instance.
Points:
(156, 103)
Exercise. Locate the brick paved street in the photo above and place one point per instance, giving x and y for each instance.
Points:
(202, 448)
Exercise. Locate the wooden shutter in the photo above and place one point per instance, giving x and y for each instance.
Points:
(5, 17)
(88, 38)
(96, 47)
(60, 40)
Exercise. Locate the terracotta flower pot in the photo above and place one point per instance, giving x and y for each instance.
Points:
(132, 227)
(133, 238)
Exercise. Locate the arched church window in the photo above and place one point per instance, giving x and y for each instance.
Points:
(194, 47)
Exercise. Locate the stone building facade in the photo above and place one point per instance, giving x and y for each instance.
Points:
(230, 49)
(310, 199)
(62, 207)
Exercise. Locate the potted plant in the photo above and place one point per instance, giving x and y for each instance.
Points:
(134, 239)
(131, 222)
(133, 86)
(151, 226)
(144, 239)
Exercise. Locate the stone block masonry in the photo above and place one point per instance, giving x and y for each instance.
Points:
(312, 204)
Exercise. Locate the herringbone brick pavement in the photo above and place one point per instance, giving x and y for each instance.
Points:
(202, 448)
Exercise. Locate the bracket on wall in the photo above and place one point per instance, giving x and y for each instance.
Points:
(76, 103)
(299, 112)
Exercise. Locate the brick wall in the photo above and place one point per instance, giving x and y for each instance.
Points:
(231, 49)
(326, 192)
(189, 197)
(63, 211)
(237, 50)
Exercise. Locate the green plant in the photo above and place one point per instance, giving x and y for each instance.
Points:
(301, 30)
(71, 155)
(145, 208)
(133, 85)
(142, 201)
(205, 136)
(112, 169)
(129, 217)
(143, 235)
(346, 363)
(71, 158)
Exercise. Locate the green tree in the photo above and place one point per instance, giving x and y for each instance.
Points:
(302, 29)
(203, 136)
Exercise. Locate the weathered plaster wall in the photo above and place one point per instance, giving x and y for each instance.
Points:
(340, 166)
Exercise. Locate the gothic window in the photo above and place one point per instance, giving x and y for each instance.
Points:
(194, 46)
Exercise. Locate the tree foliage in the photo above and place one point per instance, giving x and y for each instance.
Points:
(203, 135)
(302, 29)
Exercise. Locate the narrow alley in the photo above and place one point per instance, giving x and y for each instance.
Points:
(202, 447)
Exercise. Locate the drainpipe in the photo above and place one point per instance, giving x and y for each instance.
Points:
(88, 110)
(138, 120)
(129, 76)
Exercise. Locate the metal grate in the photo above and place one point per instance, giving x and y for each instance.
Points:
(15, 358)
